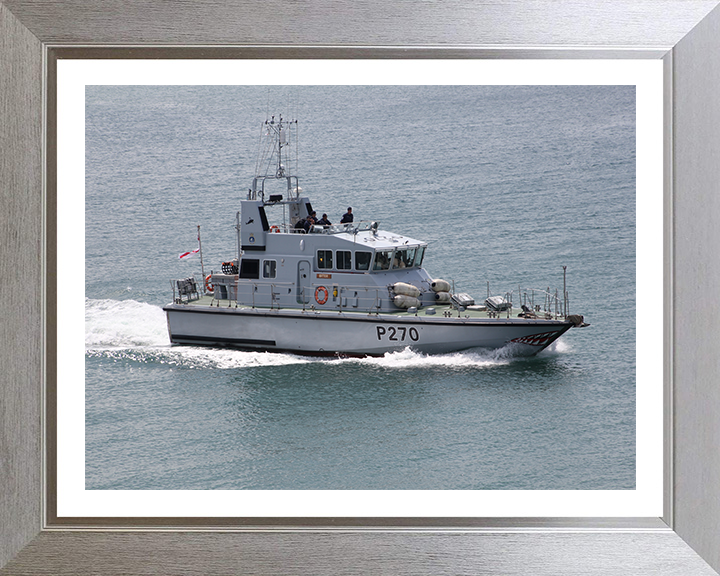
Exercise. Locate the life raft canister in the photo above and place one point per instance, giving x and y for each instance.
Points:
(321, 295)
(208, 285)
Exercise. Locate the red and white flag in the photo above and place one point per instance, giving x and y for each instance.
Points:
(186, 255)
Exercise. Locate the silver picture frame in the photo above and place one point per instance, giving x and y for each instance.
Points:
(684, 34)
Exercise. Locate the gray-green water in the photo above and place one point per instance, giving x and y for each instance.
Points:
(507, 184)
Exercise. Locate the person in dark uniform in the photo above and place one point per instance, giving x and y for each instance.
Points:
(301, 224)
(308, 223)
(324, 221)
(347, 217)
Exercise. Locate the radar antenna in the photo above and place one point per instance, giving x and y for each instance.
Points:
(274, 161)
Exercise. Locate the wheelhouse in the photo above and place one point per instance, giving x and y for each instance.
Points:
(369, 261)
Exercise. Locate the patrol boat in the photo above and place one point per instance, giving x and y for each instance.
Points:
(351, 289)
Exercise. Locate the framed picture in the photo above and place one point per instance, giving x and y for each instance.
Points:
(680, 539)
(362, 458)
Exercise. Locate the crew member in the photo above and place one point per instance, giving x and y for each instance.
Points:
(347, 217)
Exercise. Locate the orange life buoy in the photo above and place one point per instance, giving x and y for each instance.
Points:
(274, 229)
(321, 299)
(208, 285)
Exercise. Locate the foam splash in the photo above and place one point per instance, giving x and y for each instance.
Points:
(408, 358)
(473, 358)
(558, 347)
(127, 330)
(196, 358)
(123, 324)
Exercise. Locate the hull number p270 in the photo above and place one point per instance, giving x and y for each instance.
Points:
(397, 333)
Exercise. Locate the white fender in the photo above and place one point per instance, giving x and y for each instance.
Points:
(403, 301)
(406, 289)
(442, 296)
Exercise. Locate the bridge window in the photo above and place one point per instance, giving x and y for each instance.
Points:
(269, 268)
(419, 255)
(382, 260)
(404, 258)
(249, 268)
(324, 259)
(344, 259)
(362, 260)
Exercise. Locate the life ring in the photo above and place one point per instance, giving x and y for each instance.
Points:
(274, 229)
(321, 299)
(208, 285)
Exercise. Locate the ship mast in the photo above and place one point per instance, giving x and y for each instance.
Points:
(274, 157)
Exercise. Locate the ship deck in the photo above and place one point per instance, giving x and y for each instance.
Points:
(441, 310)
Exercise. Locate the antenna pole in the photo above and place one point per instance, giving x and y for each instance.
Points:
(202, 266)
(237, 228)
(565, 294)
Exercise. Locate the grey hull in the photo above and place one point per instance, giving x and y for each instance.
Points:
(353, 334)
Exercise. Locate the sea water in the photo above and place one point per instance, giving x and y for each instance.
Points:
(507, 184)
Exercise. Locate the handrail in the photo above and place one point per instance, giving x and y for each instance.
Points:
(187, 286)
(368, 298)
(552, 303)
(349, 227)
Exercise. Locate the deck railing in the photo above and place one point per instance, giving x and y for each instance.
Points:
(350, 228)
(327, 296)
(543, 302)
(186, 288)
(314, 296)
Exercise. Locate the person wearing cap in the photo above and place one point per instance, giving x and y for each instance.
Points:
(310, 221)
(324, 221)
(301, 225)
(347, 217)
